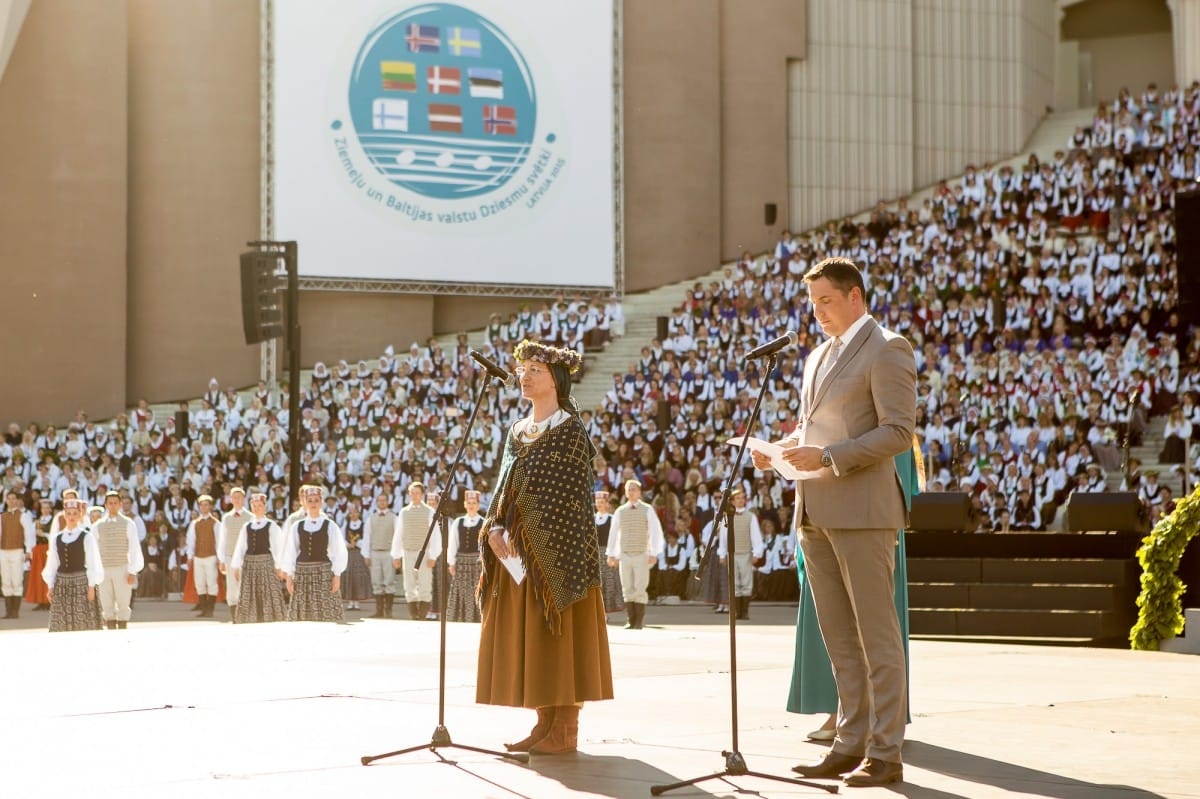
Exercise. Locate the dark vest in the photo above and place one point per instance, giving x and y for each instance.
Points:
(602, 529)
(206, 537)
(468, 536)
(12, 533)
(258, 540)
(314, 547)
(72, 558)
(354, 533)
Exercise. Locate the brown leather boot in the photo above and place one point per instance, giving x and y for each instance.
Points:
(545, 717)
(564, 733)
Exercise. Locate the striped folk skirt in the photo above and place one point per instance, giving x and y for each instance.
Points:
(356, 580)
(313, 599)
(714, 582)
(262, 597)
(460, 603)
(70, 609)
(610, 585)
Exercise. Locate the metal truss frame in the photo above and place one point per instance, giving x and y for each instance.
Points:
(268, 360)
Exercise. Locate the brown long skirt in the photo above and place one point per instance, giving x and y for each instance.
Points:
(522, 664)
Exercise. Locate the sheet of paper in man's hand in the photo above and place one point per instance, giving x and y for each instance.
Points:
(775, 453)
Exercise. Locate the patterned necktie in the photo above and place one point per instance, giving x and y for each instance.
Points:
(827, 363)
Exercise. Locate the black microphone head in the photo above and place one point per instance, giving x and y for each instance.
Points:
(492, 368)
(788, 339)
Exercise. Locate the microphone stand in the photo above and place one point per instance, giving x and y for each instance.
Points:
(1125, 464)
(735, 763)
(441, 734)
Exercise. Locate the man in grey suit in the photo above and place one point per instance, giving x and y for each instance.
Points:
(858, 411)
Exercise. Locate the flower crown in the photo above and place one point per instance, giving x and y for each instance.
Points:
(536, 351)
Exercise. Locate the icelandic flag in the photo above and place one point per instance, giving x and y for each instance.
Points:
(500, 119)
(390, 114)
(399, 76)
(486, 82)
(465, 41)
(444, 80)
(445, 118)
(422, 39)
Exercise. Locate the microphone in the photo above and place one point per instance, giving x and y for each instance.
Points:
(493, 368)
(788, 339)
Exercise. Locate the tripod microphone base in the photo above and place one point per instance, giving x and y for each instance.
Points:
(441, 740)
(441, 737)
(735, 766)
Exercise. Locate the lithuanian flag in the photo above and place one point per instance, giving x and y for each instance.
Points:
(399, 76)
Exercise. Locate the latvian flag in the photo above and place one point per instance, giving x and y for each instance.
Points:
(444, 80)
(500, 120)
(486, 82)
(445, 118)
(399, 76)
(422, 39)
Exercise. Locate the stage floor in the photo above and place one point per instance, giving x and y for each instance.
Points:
(200, 709)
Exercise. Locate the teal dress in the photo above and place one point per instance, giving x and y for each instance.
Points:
(813, 689)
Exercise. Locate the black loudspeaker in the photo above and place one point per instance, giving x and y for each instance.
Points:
(181, 424)
(770, 211)
(1120, 512)
(662, 329)
(943, 510)
(1187, 232)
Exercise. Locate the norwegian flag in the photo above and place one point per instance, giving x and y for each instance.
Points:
(423, 39)
(500, 120)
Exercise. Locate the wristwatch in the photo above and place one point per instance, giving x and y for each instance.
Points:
(826, 458)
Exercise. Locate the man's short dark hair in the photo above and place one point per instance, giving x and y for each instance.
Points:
(843, 273)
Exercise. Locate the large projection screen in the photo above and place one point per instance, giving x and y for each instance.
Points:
(438, 143)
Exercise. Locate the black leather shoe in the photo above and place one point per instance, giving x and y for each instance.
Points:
(875, 772)
(834, 765)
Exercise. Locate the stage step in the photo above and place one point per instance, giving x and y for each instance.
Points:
(1091, 626)
(1013, 596)
(1089, 600)
(1022, 570)
(1189, 642)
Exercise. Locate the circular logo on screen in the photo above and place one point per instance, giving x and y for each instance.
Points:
(442, 102)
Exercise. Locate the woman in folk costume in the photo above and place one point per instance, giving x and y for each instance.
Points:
(544, 644)
(813, 689)
(314, 557)
(610, 576)
(36, 592)
(462, 560)
(714, 579)
(72, 572)
(258, 549)
(357, 585)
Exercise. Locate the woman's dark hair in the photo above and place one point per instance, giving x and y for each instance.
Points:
(562, 387)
